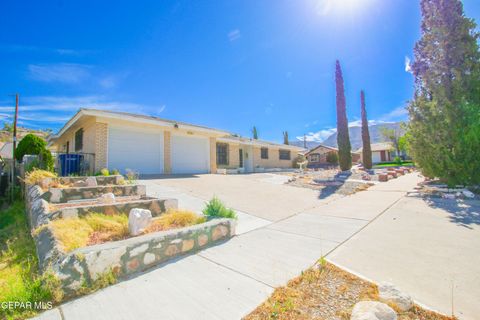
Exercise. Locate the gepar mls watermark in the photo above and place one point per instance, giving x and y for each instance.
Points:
(26, 305)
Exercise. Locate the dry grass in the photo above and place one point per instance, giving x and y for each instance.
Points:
(92, 229)
(325, 292)
(175, 218)
(37, 175)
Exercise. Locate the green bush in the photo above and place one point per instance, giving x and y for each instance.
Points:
(215, 208)
(397, 160)
(332, 158)
(104, 172)
(34, 145)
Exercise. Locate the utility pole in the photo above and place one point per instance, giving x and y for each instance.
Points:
(304, 141)
(14, 141)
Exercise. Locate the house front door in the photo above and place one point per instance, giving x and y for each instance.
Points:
(383, 157)
(240, 157)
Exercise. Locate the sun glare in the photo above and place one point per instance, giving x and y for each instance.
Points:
(340, 7)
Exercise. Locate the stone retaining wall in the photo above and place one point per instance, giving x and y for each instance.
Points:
(62, 195)
(123, 258)
(101, 180)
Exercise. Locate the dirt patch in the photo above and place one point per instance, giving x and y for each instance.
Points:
(326, 292)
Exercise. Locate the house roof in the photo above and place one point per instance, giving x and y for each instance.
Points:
(6, 151)
(379, 146)
(135, 118)
(320, 146)
(257, 142)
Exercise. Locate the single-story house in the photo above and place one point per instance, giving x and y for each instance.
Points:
(152, 145)
(381, 152)
(317, 157)
(6, 150)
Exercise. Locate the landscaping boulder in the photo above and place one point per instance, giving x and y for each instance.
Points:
(91, 182)
(138, 220)
(107, 198)
(390, 294)
(383, 177)
(468, 194)
(372, 310)
(80, 183)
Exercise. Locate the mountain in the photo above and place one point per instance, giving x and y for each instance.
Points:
(299, 143)
(356, 135)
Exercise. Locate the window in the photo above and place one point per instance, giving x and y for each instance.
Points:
(264, 153)
(79, 140)
(315, 157)
(222, 153)
(284, 154)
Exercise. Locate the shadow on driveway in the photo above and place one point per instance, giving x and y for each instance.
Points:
(339, 180)
(464, 213)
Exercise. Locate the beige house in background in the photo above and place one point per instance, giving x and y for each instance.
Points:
(152, 145)
(381, 152)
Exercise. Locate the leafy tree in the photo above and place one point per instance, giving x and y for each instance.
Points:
(7, 127)
(394, 136)
(367, 148)
(343, 138)
(34, 145)
(444, 127)
(285, 137)
(255, 133)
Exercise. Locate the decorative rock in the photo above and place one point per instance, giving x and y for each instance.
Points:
(79, 183)
(219, 232)
(91, 182)
(468, 194)
(133, 264)
(138, 220)
(390, 294)
(382, 177)
(202, 240)
(107, 198)
(171, 250)
(372, 310)
(149, 258)
(187, 245)
(140, 249)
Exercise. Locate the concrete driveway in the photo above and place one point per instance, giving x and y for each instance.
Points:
(379, 234)
(262, 195)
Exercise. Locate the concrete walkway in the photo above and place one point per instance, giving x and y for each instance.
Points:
(229, 280)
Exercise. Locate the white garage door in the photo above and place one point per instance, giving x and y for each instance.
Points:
(135, 148)
(190, 154)
(376, 157)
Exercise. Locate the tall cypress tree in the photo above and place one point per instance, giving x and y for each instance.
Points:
(343, 138)
(444, 128)
(367, 148)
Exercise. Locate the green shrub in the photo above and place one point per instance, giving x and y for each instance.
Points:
(103, 172)
(397, 160)
(34, 145)
(332, 158)
(115, 172)
(215, 208)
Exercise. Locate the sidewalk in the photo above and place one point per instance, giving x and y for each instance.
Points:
(229, 280)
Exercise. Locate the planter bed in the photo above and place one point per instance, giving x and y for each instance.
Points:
(90, 259)
(42, 212)
(70, 181)
(124, 257)
(62, 195)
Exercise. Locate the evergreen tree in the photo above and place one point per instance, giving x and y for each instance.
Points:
(343, 139)
(255, 133)
(285, 137)
(367, 148)
(444, 129)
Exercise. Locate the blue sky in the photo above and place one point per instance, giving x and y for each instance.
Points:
(225, 64)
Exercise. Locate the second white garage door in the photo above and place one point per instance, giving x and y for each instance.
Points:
(135, 148)
(190, 154)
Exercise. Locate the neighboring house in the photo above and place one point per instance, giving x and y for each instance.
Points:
(381, 152)
(317, 157)
(6, 150)
(151, 145)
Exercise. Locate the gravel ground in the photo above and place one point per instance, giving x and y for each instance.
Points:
(325, 292)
